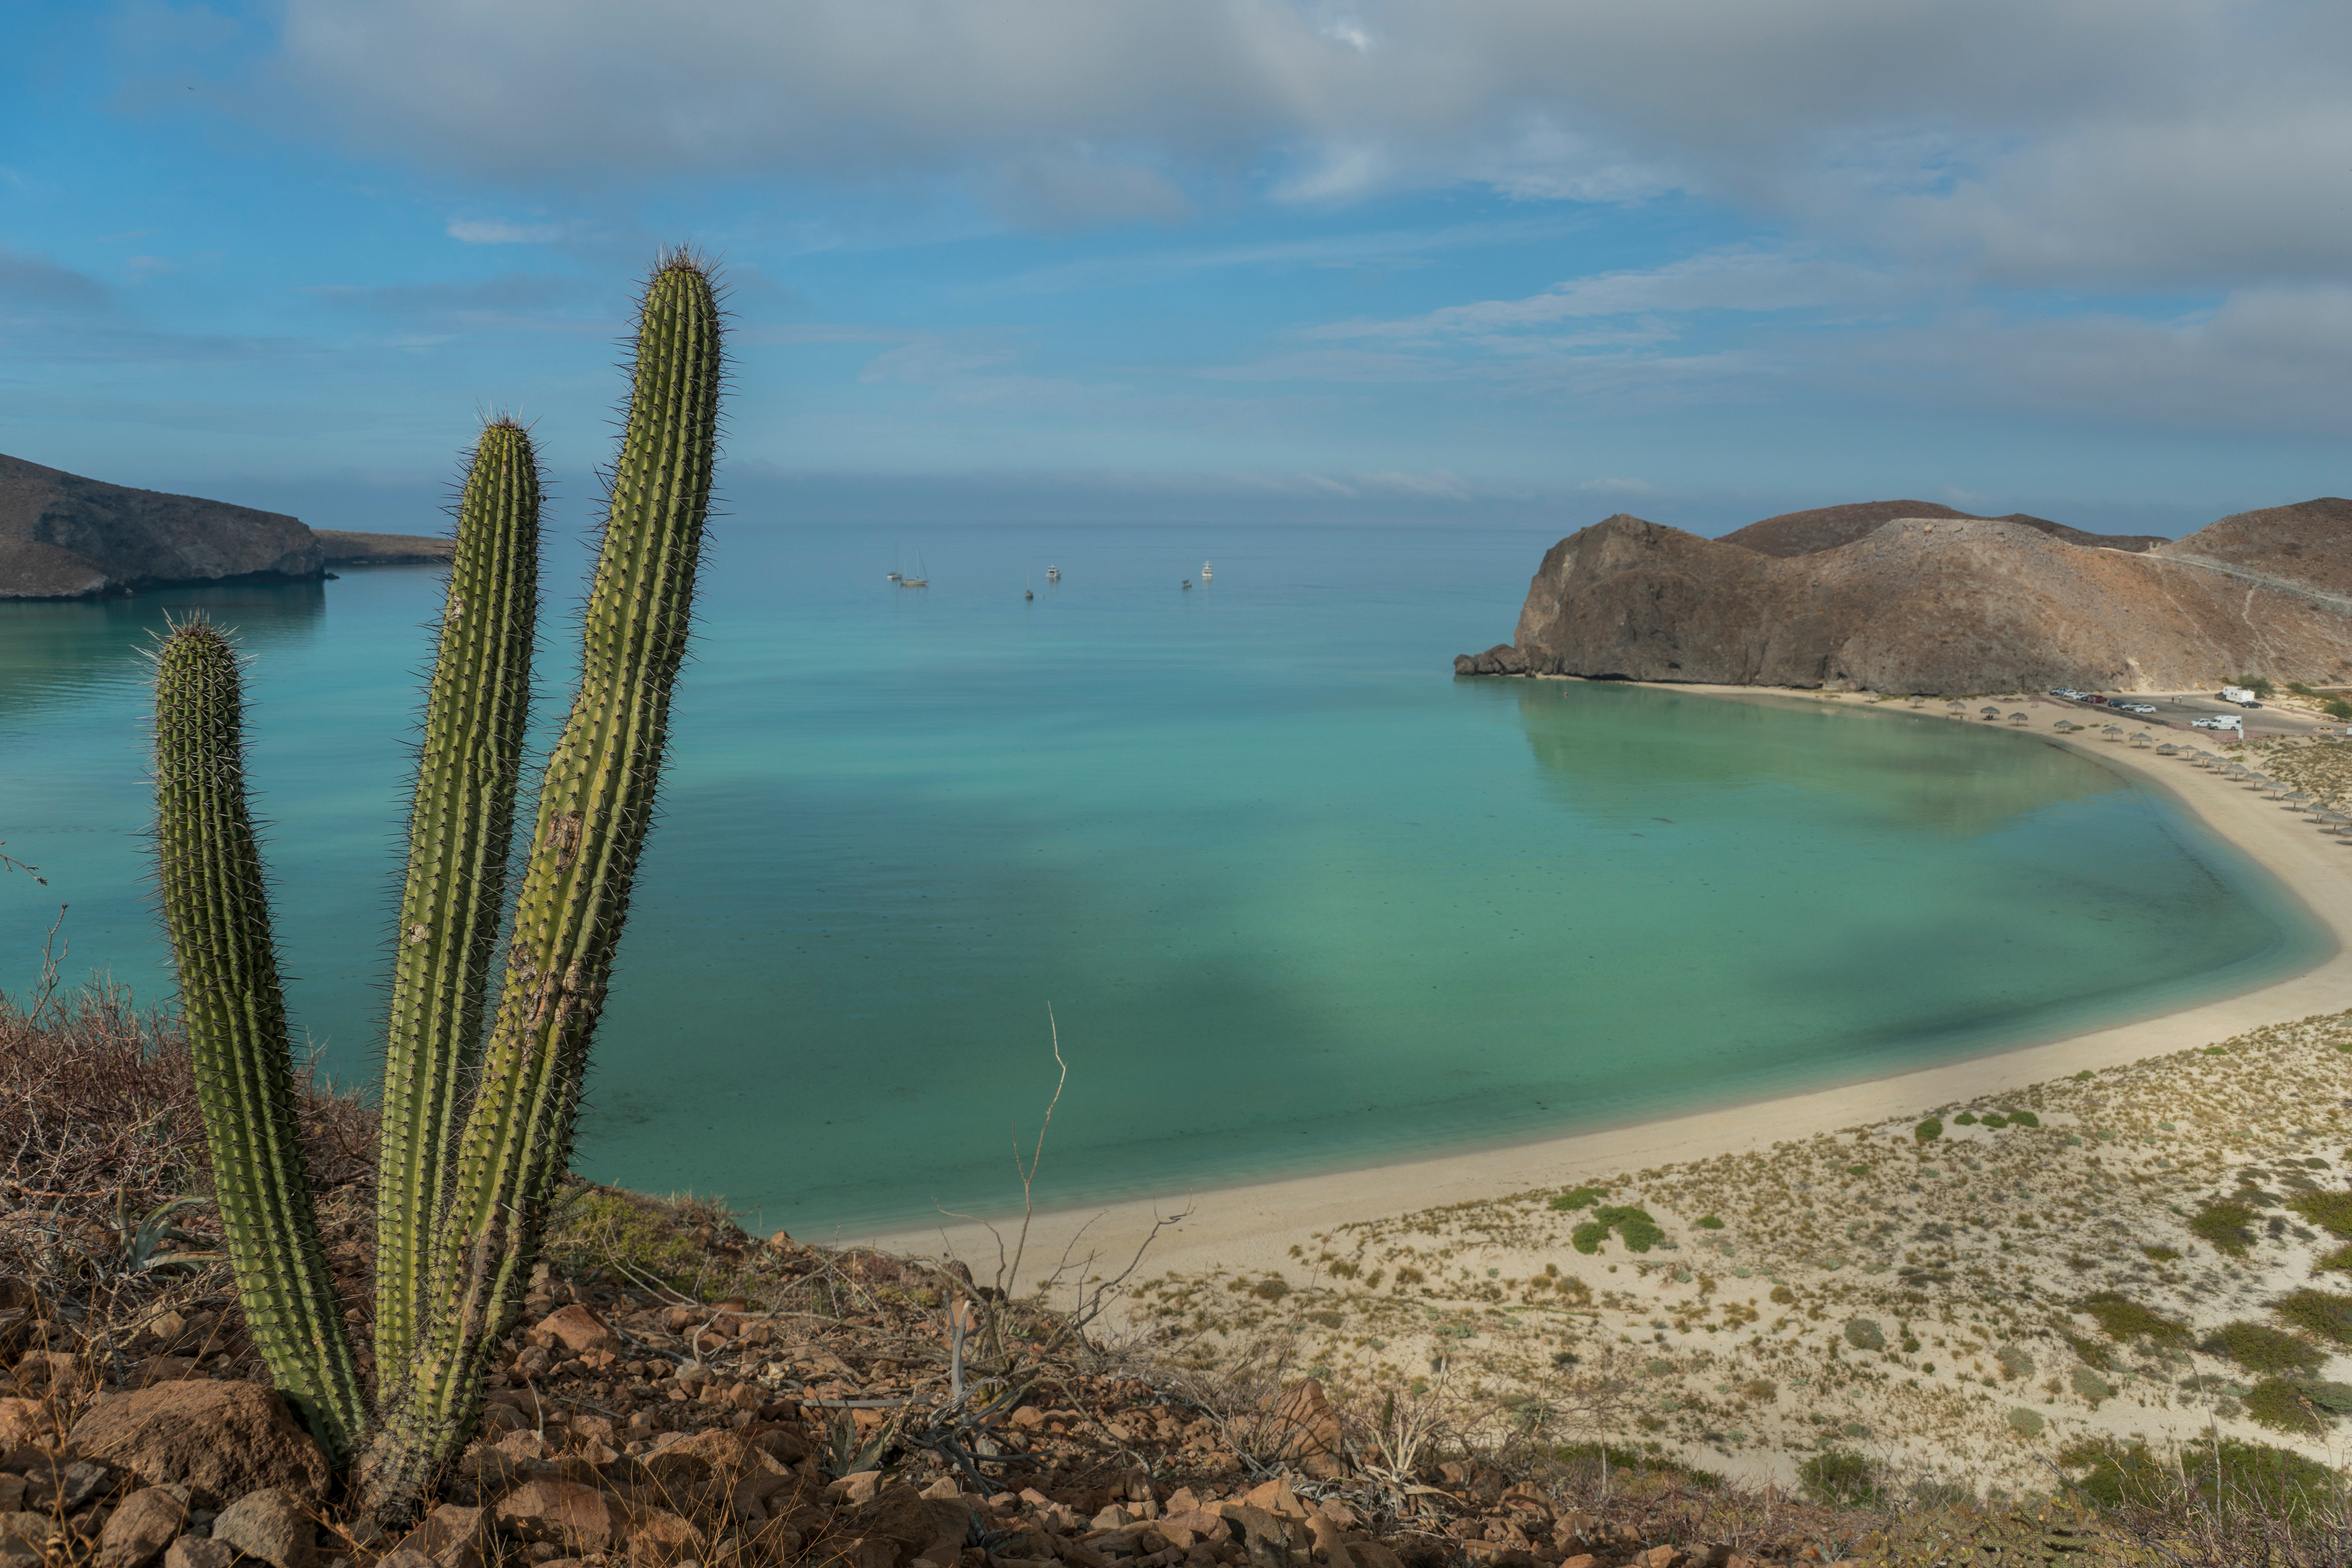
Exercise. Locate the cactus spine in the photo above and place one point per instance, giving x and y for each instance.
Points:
(217, 911)
(461, 825)
(475, 1136)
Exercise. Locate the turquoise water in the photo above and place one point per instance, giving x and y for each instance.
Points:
(1296, 896)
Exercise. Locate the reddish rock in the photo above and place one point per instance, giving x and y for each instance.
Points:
(224, 1439)
(658, 1537)
(450, 1537)
(272, 1525)
(21, 1421)
(579, 1330)
(141, 1526)
(564, 1512)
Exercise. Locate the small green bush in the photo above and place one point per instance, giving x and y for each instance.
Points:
(1857, 1170)
(2319, 1314)
(1864, 1334)
(2337, 708)
(2224, 1224)
(2024, 1422)
(1839, 1476)
(2016, 1361)
(1994, 1119)
(2330, 1211)
(2124, 1319)
(1587, 1238)
(2279, 1405)
(1965, 1119)
(2092, 1386)
(2024, 1119)
(2340, 1259)
(1928, 1131)
(2162, 1254)
(2236, 1474)
(1710, 1222)
(1578, 1198)
(2090, 1350)
(2334, 1398)
(1633, 1225)
(2258, 1348)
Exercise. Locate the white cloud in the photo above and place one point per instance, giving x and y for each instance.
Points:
(2184, 141)
(496, 231)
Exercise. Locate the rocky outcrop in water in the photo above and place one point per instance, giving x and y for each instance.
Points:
(1945, 606)
(66, 537)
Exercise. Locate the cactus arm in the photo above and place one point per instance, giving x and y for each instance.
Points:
(461, 825)
(595, 807)
(217, 914)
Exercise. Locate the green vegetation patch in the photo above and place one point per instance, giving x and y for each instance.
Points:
(1839, 1475)
(1865, 1334)
(2092, 1386)
(2339, 1260)
(2255, 1477)
(2318, 1313)
(1928, 1131)
(2016, 1361)
(631, 1234)
(2330, 1211)
(2123, 1319)
(2224, 1224)
(2280, 1405)
(1578, 1198)
(1632, 1224)
(1710, 1222)
(2259, 1348)
(1965, 1119)
(2025, 1423)
(2024, 1119)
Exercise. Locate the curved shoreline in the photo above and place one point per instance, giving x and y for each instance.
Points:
(1253, 1225)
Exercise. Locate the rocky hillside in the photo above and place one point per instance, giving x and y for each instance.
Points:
(66, 537)
(1944, 606)
(1827, 527)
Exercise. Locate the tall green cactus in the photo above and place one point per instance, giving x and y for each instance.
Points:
(461, 826)
(594, 809)
(475, 1136)
(209, 872)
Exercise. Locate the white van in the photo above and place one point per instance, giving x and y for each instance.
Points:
(2239, 695)
(2219, 721)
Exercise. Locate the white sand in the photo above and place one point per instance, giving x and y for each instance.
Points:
(1254, 1226)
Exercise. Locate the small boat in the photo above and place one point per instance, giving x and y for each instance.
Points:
(1053, 574)
(1028, 592)
(1188, 585)
(918, 580)
(1204, 571)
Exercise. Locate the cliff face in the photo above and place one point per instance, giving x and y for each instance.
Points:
(66, 537)
(1939, 605)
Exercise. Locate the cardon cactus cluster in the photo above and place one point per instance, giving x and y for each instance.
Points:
(477, 1121)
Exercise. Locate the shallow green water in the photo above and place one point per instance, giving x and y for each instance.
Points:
(1297, 897)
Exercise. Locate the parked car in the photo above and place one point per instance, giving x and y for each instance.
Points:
(2136, 707)
(2094, 697)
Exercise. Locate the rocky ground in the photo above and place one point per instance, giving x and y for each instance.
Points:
(1547, 1380)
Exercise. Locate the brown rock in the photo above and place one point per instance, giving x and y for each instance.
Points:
(1306, 1431)
(402, 1557)
(1580, 1560)
(194, 1551)
(62, 1484)
(1656, 1557)
(270, 1524)
(63, 536)
(23, 1537)
(857, 1489)
(579, 1330)
(577, 1517)
(917, 1523)
(224, 1439)
(1828, 527)
(1932, 605)
(657, 1537)
(1371, 1554)
(142, 1525)
(21, 1421)
(450, 1537)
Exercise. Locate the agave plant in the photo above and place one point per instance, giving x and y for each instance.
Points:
(477, 1116)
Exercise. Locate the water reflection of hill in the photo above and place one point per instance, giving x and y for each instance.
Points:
(54, 654)
(1609, 750)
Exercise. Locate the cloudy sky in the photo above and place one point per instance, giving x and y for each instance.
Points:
(1432, 259)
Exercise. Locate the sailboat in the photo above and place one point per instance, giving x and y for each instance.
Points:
(918, 580)
(1027, 592)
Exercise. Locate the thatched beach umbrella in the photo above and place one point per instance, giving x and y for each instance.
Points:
(2141, 739)
(2017, 718)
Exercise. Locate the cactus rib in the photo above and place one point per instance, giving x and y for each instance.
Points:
(595, 808)
(461, 825)
(217, 912)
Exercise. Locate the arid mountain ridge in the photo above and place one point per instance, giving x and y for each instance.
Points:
(1907, 596)
(66, 537)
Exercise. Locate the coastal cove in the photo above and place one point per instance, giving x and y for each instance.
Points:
(1301, 901)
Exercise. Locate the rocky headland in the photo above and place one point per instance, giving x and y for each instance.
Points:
(1847, 598)
(63, 536)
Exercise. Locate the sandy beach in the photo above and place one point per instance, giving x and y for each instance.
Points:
(1256, 1225)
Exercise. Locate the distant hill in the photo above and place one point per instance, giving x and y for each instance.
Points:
(1829, 527)
(1947, 605)
(345, 548)
(66, 537)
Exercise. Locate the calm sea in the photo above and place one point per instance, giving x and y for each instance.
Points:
(1295, 896)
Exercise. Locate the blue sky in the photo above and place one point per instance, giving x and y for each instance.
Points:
(1702, 260)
